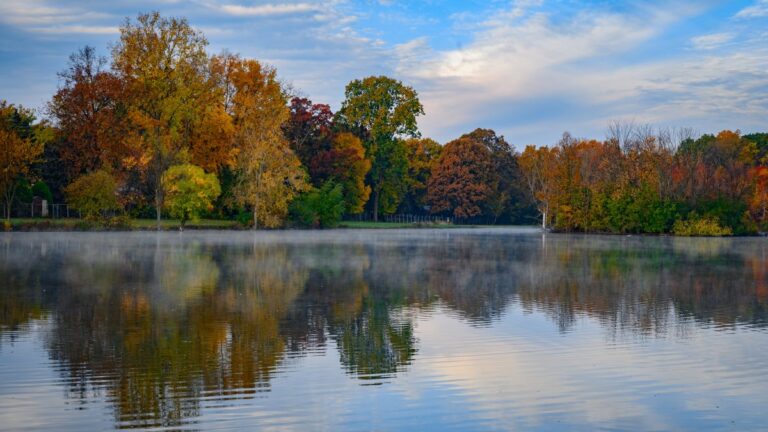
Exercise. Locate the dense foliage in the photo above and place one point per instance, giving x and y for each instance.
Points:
(180, 130)
(20, 147)
(319, 208)
(93, 194)
(189, 191)
(641, 181)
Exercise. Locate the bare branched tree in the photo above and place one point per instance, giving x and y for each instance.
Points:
(620, 133)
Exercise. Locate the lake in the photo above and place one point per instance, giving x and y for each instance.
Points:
(450, 329)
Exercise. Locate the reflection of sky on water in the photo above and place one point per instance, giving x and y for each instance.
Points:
(470, 329)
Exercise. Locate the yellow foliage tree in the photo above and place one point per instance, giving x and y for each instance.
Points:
(189, 191)
(92, 194)
(17, 153)
(270, 174)
(173, 101)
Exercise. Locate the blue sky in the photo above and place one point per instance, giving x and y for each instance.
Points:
(530, 69)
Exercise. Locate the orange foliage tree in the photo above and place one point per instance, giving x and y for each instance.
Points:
(88, 110)
(462, 180)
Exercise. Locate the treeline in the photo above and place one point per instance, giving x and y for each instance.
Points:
(164, 127)
(644, 181)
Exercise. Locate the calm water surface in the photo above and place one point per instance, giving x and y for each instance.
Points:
(386, 330)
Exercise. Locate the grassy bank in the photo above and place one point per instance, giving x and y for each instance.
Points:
(36, 224)
(385, 225)
(173, 224)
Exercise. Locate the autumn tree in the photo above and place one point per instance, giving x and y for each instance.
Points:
(714, 176)
(713, 167)
(537, 166)
(309, 129)
(507, 197)
(189, 191)
(758, 202)
(381, 111)
(422, 155)
(270, 174)
(164, 66)
(19, 149)
(92, 194)
(327, 154)
(760, 140)
(212, 140)
(461, 181)
(211, 143)
(344, 164)
(90, 114)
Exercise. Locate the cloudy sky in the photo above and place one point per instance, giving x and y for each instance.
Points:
(530, 69)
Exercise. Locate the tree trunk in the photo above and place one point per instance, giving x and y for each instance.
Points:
(255, 213)
(8, 202)
(544, 220)
(376, 206)
(158, 203)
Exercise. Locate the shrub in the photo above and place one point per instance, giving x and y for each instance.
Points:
(640, 211)
(319, 208)
(119, 222)
(42, 190)
(697, 226)
(729, 213)
(189, 191)
(23, 191)
(245, 218)
(93, 194)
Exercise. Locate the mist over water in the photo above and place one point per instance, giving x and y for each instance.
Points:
(382, 329)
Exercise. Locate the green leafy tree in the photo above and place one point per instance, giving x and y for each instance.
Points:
(189, 191)
(93, 194)
(320, 207)
(381, 110)
(40, 189)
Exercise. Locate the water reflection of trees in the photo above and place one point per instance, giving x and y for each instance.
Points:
(159, 326)
(644, 286)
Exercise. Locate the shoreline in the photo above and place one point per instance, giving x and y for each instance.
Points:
(168, 225)
(81, 225)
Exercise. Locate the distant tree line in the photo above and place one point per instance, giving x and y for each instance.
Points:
(164, 127)
(641, 180)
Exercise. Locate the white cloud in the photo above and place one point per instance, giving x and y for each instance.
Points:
(759, 9)
(270, 9)
(35, 13)
(516, 59)
(76, 29)
(711, 41)
(40, 17)
(581, 71)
